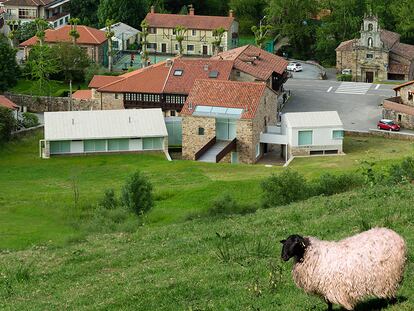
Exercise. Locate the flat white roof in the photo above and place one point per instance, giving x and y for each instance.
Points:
(313, 119)
(123, 31)
(102, 124)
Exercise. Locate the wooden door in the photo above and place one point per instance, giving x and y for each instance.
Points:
(164, 48)
(205, 49)
(369, 77)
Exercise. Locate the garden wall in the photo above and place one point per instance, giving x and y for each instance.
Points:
(46, 103)
(381, 133)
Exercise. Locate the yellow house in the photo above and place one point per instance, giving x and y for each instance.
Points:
(198, 37)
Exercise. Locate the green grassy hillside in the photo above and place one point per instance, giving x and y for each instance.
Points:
(205, 264)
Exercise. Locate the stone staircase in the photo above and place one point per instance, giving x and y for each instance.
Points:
(210, 155)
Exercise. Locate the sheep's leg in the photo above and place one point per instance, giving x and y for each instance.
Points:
(330, 306)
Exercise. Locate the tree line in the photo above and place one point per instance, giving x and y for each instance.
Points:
(304, 29)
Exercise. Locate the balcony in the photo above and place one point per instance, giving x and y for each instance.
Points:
(274, 135)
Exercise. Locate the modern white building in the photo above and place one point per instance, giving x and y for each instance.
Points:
(104, 131)
(124, 36)
(307, 133)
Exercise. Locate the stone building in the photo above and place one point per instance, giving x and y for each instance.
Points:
(93, 40)
(198, 37)
(223, 121)
(377, 55)
(401, 107)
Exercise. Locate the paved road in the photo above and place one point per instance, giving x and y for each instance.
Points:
(309, 72)
(356, 103)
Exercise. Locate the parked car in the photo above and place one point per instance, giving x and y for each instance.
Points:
(294, 67)
(388, 125)
(346, 71)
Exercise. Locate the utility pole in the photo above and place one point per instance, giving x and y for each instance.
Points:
(70, 95)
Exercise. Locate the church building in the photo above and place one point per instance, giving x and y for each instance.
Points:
(378, 55)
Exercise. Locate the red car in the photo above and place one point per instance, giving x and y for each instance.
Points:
(388, 125)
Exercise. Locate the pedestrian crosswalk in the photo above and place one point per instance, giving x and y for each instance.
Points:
(358, 88)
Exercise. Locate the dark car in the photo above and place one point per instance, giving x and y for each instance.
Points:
(388, 125)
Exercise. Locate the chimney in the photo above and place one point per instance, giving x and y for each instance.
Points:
(152, 9)
(206, 67)
(191, 9)
(168, 62)
(231, 13)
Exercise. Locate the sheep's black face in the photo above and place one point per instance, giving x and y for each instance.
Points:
(293, 246)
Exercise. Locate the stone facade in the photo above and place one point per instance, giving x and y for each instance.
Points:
(111, 101)
(400, 109)
(247, 131)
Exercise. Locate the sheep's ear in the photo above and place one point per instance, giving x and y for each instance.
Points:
(282, 241)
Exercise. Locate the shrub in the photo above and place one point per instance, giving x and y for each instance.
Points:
(342, 77)
(109, 200)
(30, 120)
(227, 205)
(7, 124)
(329, 184)
(284, 188)
(137, 193)
(403, 172)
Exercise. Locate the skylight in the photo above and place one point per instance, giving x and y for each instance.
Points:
(218, 111)
(213, 74)
(178, 72)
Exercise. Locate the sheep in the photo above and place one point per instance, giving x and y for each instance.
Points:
(369, 264)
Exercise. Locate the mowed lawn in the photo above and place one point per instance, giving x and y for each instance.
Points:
(37, 203)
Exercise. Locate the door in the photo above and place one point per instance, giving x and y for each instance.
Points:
(226, 129)
(369, 77)
(164, 47)
(205, 50)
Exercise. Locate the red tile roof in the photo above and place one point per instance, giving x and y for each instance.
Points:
(389, 38)
(229, 94)
(402, 85)
(28, 2)
(87, 36)
(404, 50)
(254, 61)
(189, 21)
(100, 81)
(195, 69)
(398, 107)
(147, 80)
(5, 102)
(82, 94)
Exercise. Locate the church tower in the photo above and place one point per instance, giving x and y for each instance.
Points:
(370, 33)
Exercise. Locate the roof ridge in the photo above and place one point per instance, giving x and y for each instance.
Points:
(87, 29)
(234, 82)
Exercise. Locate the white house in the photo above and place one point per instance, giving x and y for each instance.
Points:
(104, 131)
(307, 133)
(124, 36)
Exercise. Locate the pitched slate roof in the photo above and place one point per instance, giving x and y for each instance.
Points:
(404, 50)
(189, 21)
(345, 46)
(389, 38)
(193, 69)
(5, 102)
(87, 36)
(254, 61)
(146, 80)
(228, 94)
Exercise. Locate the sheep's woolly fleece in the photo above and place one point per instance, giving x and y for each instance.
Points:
(345, 272)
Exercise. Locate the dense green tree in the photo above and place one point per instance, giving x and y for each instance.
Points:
(294, 19)
(41, 65)
(71, 61)
(9, 70)
(86, 11)
(404, 17)
(27, 30)
(261, 34)
(131, 12)
(7, 124)
(218, 37)
(248, 13)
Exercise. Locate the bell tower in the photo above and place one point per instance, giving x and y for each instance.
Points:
(370, 33)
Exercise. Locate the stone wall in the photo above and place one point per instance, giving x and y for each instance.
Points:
(381, 133)
(45, 103)
(403, 119)
(404, 95)
(192, 141)
(111, 101)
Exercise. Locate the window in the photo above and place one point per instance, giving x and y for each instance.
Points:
(234, 157)
(152, 46)
(238, 73)
(59, 147)
(193, 32)
(370, 42)
(178, 72)
(370, 56)
(55, 24)
(118, 144)
(116, 95)
(257, 150)
(173, 113)
(190, 47)
(370, 27)
(155, 143)
(66, 19)
(94, 145)
(177, 47)
(61, 22)
(399, 117)
(152, 30)
(201, 131)
(27, 13)
(174, 31)
(410, 95)
(337, 134)
(305, 138)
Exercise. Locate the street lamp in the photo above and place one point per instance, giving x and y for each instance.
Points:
(260, 23)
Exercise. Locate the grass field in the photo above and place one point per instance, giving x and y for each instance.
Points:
(37, 198)
(56, 88)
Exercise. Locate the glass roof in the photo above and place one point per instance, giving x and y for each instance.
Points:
(218, 111)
